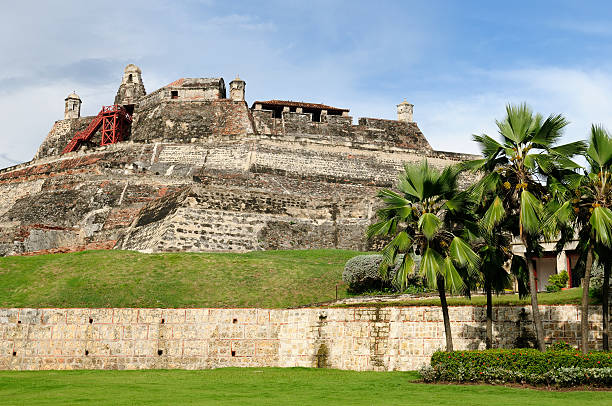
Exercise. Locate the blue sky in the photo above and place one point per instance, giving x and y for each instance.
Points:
(458, 62)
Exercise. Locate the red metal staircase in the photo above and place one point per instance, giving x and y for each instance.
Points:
(115, 122)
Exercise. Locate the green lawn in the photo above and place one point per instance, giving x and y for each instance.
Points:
(568, 296)
(275, 279)
(131, 279)
(265, 386)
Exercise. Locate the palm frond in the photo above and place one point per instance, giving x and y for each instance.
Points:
(518, 121)
(530, 212)
(462, 254)
(381, 228)
(600, 147)
(405, 269)
(473, 165)
(570, 149)
(550, 131)
(601, 223)
(518, 267)
(431, 266)
(494, 214)
(489, 146)
(429, 224)
(452, 279)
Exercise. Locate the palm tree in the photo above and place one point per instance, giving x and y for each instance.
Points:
(514, 172)
(422, 220)
(583, 203)
(493, 249)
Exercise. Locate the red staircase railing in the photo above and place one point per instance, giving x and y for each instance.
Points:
(115, 122)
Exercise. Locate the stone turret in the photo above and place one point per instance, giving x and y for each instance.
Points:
(404, 112)
(131, 89)
(237, 89)
(72, 106)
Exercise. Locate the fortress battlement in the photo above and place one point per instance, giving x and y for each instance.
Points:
(191, 167)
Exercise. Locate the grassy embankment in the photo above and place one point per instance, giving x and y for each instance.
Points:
(275, 279)
(131, 279)
(265, 386)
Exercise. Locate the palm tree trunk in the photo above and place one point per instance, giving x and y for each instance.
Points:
(584, 321)
(489, 340)
(605, 303)
(537, 319)
(447, 326)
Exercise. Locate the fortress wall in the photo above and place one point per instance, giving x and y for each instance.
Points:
(377, 133)
(184, 121)
(209, 218)
(300, 192)
(390, 338)
(59, 136)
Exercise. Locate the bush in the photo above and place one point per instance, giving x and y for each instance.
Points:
(596, 282)
(560, 368)
(362, 274)
(561, 346)
(557, 282)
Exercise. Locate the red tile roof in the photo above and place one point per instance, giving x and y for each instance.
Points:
(289, 103)
(176, 83)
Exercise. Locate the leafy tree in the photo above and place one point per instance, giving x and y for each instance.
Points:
(582, 204)
(423, 219)
(515, 171)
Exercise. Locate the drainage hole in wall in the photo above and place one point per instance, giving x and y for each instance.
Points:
(14, 353)
(90, 320)
(163, 321)
(235, 321)
(160, 352)
(86, 352)
(233, 353)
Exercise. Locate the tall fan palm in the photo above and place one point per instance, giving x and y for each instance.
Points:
(583, 205)
(422, 220)
(493, 249)
(515, 169)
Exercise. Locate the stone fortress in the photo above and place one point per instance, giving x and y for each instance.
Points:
(199, 171)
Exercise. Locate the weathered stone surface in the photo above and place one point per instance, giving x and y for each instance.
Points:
(201, 172)
(389, 338)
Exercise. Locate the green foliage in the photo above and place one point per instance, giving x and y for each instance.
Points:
(420, 220)
(562, 368)
(597, 281)
(362, 274)
(561, 346)
(557, 282)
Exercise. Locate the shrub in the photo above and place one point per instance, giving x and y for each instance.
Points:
(557, 282)
(362, 274)
(560, 368)
(561, 346)
(596, 282)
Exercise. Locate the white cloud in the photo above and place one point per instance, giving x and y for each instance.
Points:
(364, 66)
(582, 96)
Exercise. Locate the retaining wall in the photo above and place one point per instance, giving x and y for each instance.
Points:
(390, 338)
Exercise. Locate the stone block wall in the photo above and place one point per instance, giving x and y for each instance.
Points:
(390, 338)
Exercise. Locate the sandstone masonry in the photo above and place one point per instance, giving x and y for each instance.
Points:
(390, 338)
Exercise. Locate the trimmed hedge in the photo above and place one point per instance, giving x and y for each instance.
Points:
(560, 368)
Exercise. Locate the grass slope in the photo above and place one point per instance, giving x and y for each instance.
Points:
(265, 386)
(131, 279)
